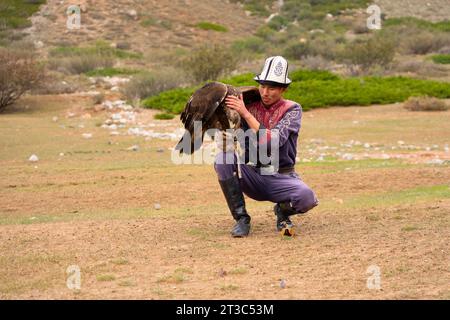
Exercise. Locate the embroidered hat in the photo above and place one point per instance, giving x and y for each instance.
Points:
(275, 71)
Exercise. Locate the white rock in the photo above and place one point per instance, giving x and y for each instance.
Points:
(157, 206)
(114, 133)
(436, 161)
(54, 119)
(400, 142)
(87, 135)
(133, 148)
(61, 154)
(366, 145)
(33, 158)
(38, 44)
(347, 156)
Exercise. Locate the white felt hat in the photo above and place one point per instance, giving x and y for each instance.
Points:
(275, 70)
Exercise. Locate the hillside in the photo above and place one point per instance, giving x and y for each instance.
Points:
(149, 27)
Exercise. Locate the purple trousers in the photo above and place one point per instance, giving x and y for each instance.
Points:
(276, 188)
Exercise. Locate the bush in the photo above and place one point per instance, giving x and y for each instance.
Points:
(315, 89)
(425, 42)
(277, 23)
(297, 51)
(425, 104)
(164, 116)
(80, 64)
(441, 58)
(172, 101)
(204, 25)
(209, 63)
(251, 44)
(366, 54)
(150, 84)
(411, 22)
(19, 72)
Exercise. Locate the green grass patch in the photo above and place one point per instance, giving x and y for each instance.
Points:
(204, 25)
(419, 23)
(164, 116)
(315, 89)
(412, 195)
(109, 72)
(106, 277)
(15, 13)
(441, 58)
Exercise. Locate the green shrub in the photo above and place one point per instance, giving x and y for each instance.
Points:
(313, 89)
(298, 50)
(15, 13)
(277, 23)
(172, 101)
(418, 23)
(441, 58)
(164, 116)
(257, 7)
(204, 25)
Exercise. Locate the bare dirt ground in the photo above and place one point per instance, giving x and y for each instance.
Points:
(94, 203)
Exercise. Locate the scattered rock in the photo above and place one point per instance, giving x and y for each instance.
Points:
(133, 148)
(87, 135)
(436, 161)
(222, 273)
(347, 156)
(282, 284)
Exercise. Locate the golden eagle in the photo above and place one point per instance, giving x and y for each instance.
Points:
(207, 105)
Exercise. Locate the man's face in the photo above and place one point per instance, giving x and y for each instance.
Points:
(270, 94)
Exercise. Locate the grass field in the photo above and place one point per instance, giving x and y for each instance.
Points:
(91, 203)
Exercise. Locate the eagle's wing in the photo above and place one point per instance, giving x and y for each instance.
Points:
(250, 94)
(201, 107)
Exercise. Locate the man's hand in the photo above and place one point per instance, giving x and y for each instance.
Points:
(237, 104)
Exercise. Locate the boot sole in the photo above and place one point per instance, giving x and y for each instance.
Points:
(287, 232)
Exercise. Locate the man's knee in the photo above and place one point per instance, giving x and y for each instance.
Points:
(304, 200)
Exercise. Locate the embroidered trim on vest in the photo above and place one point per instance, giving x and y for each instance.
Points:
(271, 116)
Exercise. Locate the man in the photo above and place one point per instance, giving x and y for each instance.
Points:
(272, 116)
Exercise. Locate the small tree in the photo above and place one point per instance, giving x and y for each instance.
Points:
(19, 73)
(209, 63)
(366, 54)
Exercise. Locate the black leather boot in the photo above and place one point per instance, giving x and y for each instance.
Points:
(236, 203)
(284, 224)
